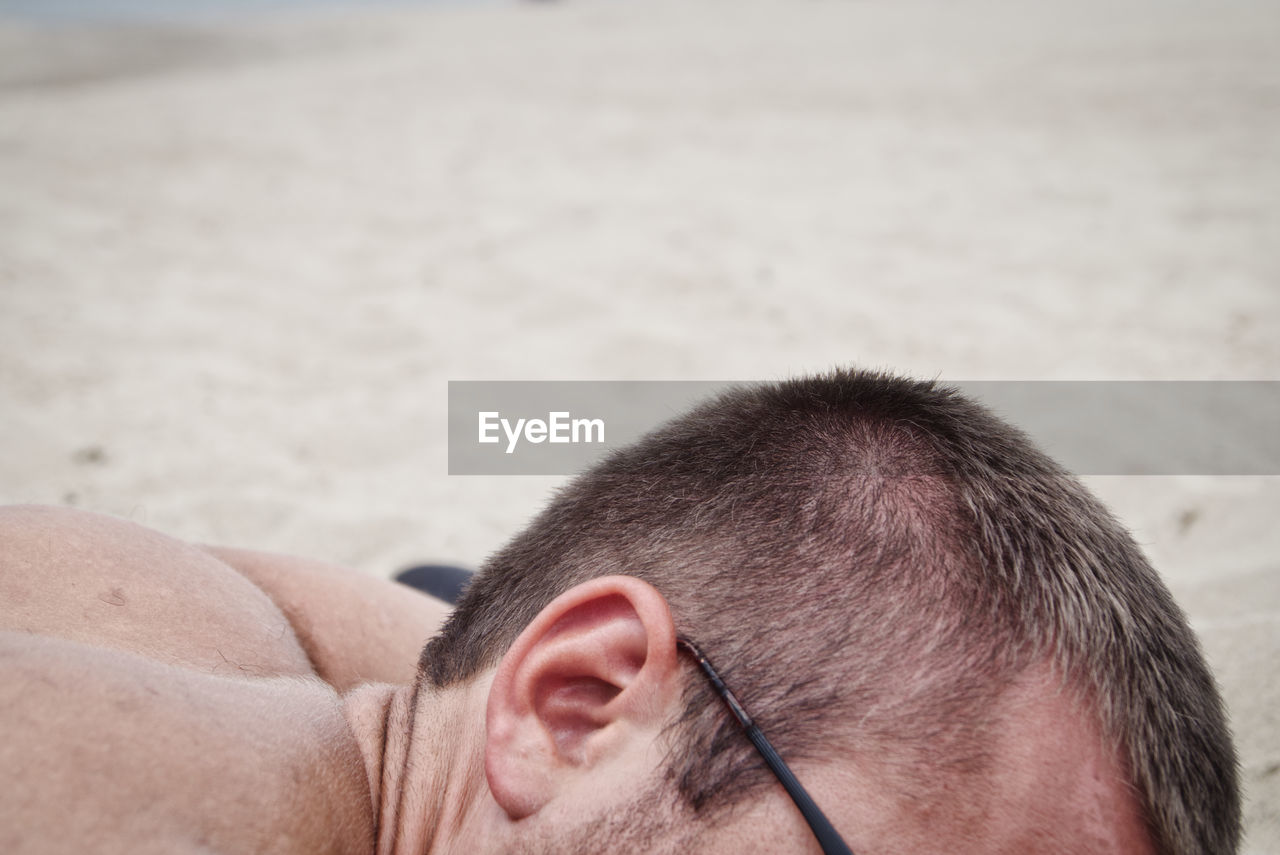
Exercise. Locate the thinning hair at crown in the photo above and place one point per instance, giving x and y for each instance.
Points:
(872, 561)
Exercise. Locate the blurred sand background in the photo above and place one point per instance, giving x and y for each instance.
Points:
(240, 257)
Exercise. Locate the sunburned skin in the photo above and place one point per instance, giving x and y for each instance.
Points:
(1052, 785)
(120, 753)
(160, 697)
(166, 704)
(1058, 774)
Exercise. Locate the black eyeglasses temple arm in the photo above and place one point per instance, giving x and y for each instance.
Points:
(828, 837)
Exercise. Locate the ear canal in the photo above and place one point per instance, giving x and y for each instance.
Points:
(582, 669)
(571, 709)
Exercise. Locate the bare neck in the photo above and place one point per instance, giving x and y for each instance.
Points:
(421, 753)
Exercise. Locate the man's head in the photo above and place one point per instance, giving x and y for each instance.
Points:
(905, 593)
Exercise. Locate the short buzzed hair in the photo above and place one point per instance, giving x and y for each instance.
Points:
(871, 561)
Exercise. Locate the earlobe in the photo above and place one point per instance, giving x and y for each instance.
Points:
(595, 668)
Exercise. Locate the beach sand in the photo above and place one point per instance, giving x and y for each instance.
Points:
(239, 262)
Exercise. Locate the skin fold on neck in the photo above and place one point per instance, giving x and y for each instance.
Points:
(421, 755)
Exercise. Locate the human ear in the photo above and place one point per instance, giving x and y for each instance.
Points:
(595, 668)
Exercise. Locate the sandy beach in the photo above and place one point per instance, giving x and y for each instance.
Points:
(240, 259)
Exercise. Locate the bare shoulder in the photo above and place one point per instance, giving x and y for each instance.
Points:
(95, 579)
(355, 628)
(123, 753)
(100, 580)
(169, 697)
